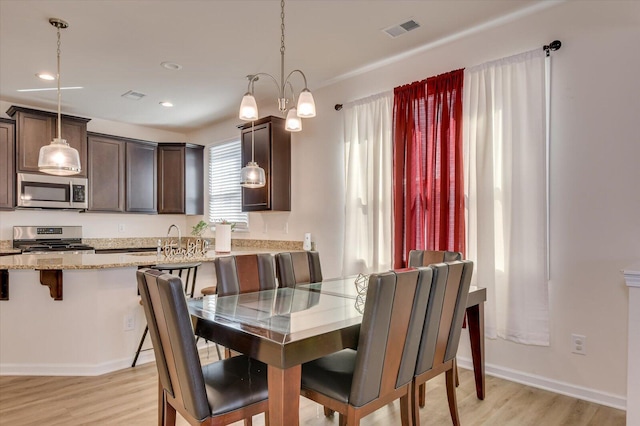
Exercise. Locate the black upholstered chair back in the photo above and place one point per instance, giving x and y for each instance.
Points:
(298, 267)
(244, 274)
(444, 314)
(419, 258)
(169, 323)
(386, 354)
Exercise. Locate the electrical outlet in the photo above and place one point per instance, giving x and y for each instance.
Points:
(129, 322)
(579, 344)
(121, 227)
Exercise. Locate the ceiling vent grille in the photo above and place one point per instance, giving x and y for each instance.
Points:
(135, 96)
(398, 30)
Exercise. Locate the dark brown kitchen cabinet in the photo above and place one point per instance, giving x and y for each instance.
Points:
(273, 153)
(35, 129)
(106, 170)
(180, 179)
(141, 177)
(7, 162)
(122, 174)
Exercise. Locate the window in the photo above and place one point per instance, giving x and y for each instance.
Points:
(225, 193)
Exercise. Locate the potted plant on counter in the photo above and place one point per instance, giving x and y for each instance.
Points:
(223, 236)
(199, 228)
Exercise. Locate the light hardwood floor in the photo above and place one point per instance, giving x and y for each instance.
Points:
(128, 397)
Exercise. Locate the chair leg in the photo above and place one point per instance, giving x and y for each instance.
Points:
(422, 392)
(451, 396)
(415, 403)
(169, 414)
(144, 335)
(455, 367)
(328, 412)
(266, 418)
(219, 356)
(248, 421)
(405, 409)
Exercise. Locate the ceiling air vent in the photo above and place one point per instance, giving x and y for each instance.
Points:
(398, 30)
(136, 96)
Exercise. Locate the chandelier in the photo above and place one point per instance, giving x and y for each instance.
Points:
(58, 158)
(305, 107)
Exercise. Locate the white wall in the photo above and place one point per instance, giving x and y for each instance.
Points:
(595, 200)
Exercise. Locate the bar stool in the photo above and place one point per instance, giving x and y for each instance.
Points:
(187, 273)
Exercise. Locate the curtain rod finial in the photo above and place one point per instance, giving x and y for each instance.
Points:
(338, 107)
(554, 45)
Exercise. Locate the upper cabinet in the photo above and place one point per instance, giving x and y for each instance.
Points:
(180, 179)
(7, 161)
(141, 176)
(122, 174)
(106, 165)
(35, 129)
(272, 152)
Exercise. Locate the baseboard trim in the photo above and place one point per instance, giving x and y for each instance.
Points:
(563, 388)
(145, 357)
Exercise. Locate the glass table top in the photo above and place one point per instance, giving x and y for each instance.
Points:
(282, 315)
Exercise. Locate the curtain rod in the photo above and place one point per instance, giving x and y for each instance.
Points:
(554, 45)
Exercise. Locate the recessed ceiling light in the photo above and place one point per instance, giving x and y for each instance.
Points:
(171, 66)
(44, 89)
(45, 76)
(166, 104)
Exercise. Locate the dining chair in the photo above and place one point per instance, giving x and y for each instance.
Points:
(219, 393)
(244, 273)
(188, 272)
(427, 257)
(298, 267)
(441, 333)
(355, 383)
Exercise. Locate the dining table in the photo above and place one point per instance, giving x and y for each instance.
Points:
(286, 327)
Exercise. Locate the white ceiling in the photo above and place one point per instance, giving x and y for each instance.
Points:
(113, 46)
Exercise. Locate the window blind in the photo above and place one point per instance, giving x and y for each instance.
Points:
(225, 193)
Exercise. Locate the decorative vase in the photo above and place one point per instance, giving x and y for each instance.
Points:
(223, 238)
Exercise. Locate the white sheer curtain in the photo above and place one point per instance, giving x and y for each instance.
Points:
(368, 176)
(505, 180)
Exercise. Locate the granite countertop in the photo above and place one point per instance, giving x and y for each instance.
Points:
(11, 258)
(110, 260)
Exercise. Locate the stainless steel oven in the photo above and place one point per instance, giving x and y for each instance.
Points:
(54, 192)
(50, 240)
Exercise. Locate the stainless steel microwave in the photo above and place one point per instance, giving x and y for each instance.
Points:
(53, 192)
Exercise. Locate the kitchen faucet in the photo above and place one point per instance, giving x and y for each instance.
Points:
(179, 236)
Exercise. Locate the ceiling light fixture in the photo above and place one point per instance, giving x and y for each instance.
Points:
(252, 175)
(46, 89)
(306, 107)
(166, 104)
(58, 158)
(45, 76)
(172, 66)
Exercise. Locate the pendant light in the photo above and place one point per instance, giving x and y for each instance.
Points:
(252, 175)
(306, 107)
(58, 158)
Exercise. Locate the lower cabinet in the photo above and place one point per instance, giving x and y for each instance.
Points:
(122, 174)
(7, 165)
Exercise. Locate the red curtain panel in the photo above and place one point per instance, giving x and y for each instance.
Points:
(427, 166)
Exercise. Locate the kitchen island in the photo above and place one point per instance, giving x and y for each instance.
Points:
(89, 331)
